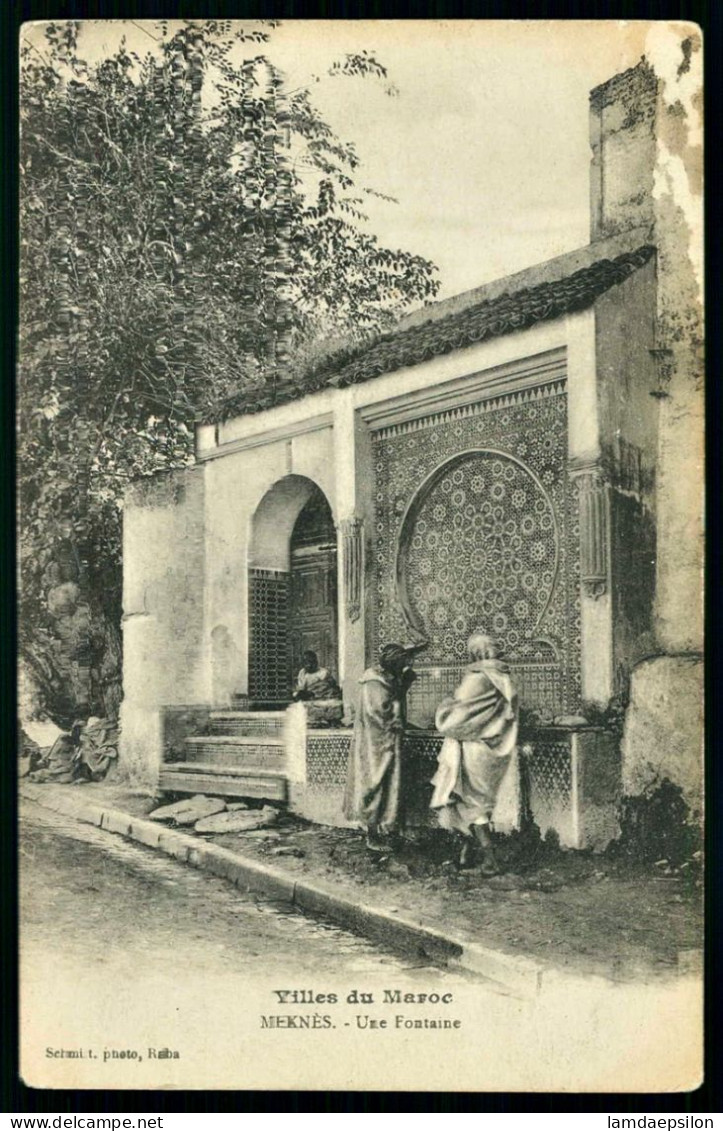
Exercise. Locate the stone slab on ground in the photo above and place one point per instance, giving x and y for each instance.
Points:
(237, 821)
(260, 834)
(189, 810)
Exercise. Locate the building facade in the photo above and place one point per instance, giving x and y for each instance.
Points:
(493, 462)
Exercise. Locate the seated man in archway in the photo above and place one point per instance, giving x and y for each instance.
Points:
(314, 682)
(479, 723)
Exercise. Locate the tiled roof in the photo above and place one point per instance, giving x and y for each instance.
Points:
(490, 318)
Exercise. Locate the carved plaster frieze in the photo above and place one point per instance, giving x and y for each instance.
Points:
(352, 532)
(594, 507)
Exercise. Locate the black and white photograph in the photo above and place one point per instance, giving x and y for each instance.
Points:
(360, 455)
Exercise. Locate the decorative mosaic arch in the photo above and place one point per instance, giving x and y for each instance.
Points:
(517, 444)
(479, 547)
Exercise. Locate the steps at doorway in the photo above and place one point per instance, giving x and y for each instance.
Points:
(247, 723)
(223, 781)
(243, 756)
(236, 750)
(242, 703)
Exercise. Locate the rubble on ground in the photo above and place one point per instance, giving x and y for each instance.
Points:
(215, 816)
(189, 810)
(237, 820)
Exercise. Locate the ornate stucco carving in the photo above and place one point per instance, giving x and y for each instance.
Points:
(352, 530)
(594, 503)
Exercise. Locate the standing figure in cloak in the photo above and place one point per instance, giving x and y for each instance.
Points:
(479, 723)
(373, 793)
(314, 682)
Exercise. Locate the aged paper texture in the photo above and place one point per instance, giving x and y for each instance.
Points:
(360, 479)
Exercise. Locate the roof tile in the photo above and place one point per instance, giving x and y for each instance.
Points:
(505, 314)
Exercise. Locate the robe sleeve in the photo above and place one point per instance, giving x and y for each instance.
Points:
(475, 716)
(379, 704)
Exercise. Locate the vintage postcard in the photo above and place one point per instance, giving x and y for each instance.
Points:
(360, 482)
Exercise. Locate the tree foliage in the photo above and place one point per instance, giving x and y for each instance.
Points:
(188, 226)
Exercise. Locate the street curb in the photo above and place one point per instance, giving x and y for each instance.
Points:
(323, 901)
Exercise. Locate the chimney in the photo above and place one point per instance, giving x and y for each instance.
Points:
(623, 140)
(646, 135)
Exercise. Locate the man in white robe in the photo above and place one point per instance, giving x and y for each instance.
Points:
(479, 723)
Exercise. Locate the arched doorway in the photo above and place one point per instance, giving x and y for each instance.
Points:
(292, 587)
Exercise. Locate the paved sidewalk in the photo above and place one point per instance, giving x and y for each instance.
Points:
(549, 914)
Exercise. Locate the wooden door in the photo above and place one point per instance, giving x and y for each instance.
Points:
(312, 610)
(312, 590)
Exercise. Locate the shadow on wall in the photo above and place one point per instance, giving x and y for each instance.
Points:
(225, 664)
(659, 825)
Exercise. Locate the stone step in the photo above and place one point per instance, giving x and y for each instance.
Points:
(246, 722)
(182, 777)
(237, 739)
(219, 712)
(264, 706)
(236, 750)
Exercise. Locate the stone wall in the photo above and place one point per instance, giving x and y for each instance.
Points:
(623, 143)
(163, 612)
(645, 130)
(628, 411)
(646, 134)
(663, 736)
(678, 233)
